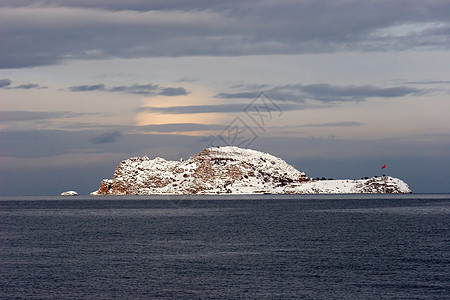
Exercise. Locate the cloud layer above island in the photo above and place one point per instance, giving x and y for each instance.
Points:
(51, 31)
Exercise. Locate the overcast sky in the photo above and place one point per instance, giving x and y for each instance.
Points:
(336, 88)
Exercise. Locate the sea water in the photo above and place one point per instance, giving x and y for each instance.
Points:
(217, 247)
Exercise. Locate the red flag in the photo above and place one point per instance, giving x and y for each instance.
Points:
(383, 167)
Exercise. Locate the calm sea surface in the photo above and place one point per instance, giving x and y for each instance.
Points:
(258, 247)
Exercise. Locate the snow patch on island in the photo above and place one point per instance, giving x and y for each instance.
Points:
(69, 193)
(232, 170)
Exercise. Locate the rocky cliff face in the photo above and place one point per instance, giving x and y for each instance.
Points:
(229, 170)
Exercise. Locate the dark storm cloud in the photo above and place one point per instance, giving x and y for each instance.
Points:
(17, 116)
(137, 89)
(107, 137)
(50, 31)
(325, 93)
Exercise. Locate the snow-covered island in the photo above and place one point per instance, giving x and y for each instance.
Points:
(232, 170)
(69, 193)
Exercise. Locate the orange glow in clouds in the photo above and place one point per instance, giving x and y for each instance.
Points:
(197, 96)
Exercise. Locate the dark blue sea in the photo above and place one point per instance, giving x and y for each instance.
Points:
(226, 247)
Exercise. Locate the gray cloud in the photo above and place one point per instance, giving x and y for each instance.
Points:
(197, 109)
(429, 82)
(87, 88)
(181, 127)
(40, 143)
(19, 115)
(47, 143)
(137, 89)
(118, 5)
(217, 108)
(52, 31)
(107, 137)
(28, 86)
(179, 91)
(161, 128)
(238, 95)
(325, 93)
(333, 124)
(5, 83)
